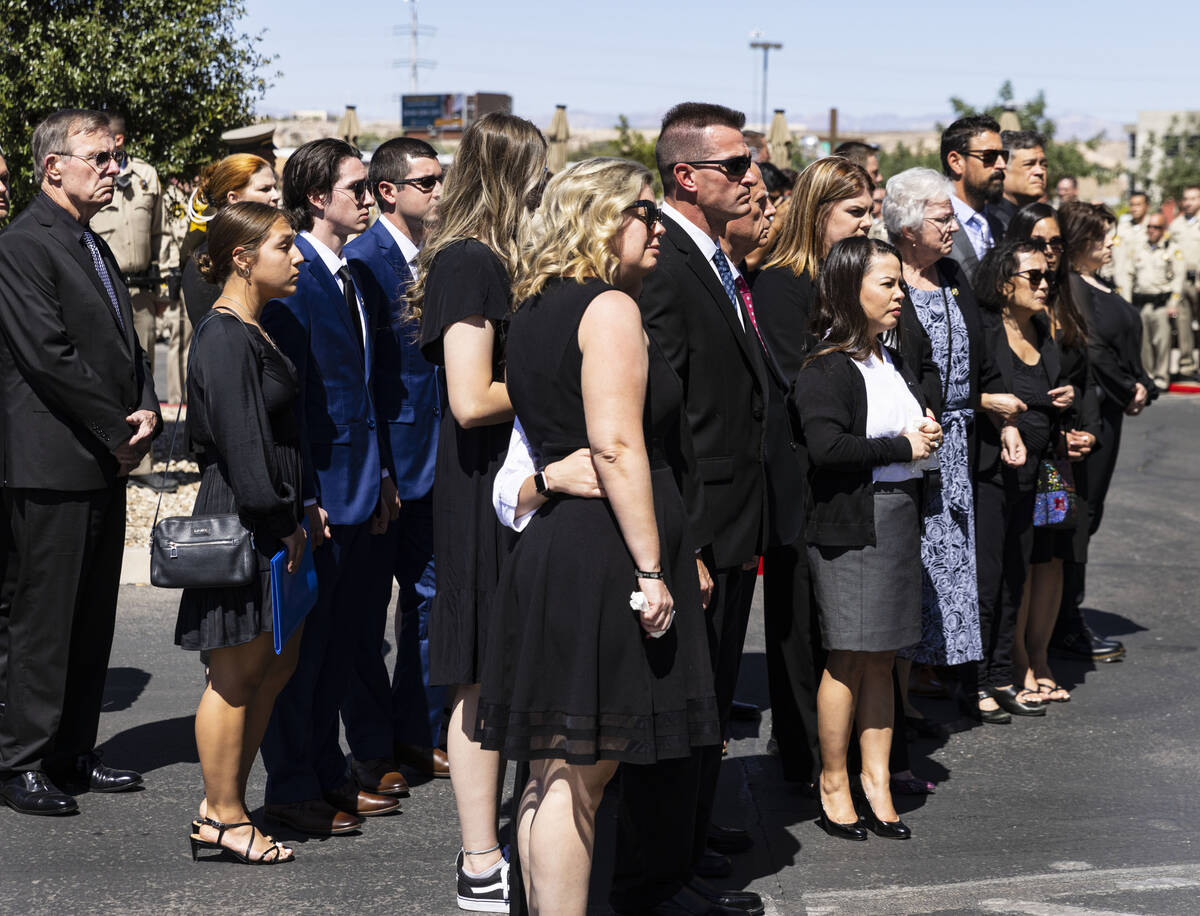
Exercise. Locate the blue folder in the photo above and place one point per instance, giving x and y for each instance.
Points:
(293, 595)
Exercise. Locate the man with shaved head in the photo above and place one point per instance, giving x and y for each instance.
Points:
(693, 309)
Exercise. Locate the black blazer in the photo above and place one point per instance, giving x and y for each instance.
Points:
(830, 397)
(70, 373)
(725, 384)
(1114, 342)
(996, 342)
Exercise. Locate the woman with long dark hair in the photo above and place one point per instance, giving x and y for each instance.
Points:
(462, 299)
(1038, 223)
(864, 422)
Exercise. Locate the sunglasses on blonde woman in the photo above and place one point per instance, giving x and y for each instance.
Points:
(647, 211)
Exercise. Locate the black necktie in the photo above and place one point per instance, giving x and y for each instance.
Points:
(351, 303)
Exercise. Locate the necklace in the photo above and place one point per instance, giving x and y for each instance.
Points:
(261, 330)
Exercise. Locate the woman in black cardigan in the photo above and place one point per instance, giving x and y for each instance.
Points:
(865, 422)
(1012, 285)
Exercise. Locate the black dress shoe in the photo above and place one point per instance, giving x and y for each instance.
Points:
(685, 903)
(854, 831)
(995, 716)
(31, 792)
(1088, 646)
(714, 865)
(742, 901)
(89, 773)
(1008, 701)
(728, 840)
(926, 728)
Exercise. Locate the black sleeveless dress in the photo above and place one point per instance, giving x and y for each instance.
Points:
(569, 672)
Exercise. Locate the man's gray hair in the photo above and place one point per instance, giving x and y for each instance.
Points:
(54, 134)
(907, 194)
(1021, 139)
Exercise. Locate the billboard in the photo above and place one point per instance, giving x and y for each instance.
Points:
(422, 112)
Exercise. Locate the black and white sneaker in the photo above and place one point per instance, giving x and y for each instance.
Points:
(486, 893)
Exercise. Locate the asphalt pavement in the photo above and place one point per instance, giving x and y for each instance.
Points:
(1090, 810)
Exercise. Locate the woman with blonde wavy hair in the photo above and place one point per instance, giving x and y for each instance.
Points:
(598, 651)
(462, 299)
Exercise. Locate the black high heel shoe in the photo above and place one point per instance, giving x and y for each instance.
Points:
(853, 831)
(272, 856)
(970, 706)
(888, 830)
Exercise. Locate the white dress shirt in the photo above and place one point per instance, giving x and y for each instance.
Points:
(506, 489)
(333, 264)
(407, 248)
(975, 225)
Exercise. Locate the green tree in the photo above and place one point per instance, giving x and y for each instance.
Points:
(181, 71)
(1171, 162)
(892, 162)
(628, 144)
(1064, 158)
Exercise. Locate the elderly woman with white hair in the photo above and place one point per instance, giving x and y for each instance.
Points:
(920, 224)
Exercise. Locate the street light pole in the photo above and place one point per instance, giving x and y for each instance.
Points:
(767, 47)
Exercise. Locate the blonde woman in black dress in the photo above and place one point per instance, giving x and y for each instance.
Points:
(575, 679)
(462, 300)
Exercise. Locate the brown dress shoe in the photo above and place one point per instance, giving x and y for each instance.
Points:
(316, 817)
(380, 776)
(349, 797)
(428, 761)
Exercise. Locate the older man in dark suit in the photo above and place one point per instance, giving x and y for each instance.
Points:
(79, 413)
(692, 307)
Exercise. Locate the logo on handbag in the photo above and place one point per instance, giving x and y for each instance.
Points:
(201, 531)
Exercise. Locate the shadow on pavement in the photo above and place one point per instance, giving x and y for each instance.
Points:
(123, 687)
(154, 745)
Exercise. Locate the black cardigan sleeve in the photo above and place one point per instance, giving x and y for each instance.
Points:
(824, 396)
(225, 389)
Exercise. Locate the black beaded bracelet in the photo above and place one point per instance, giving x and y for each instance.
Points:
(643, 574)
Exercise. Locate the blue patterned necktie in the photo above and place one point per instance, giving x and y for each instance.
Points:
(98, 263)
(726, 276)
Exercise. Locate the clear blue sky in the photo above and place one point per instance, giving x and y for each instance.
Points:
(1102, 60)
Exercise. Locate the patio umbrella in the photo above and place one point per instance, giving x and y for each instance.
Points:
(347, 126)
(557, 135)
(779, 141)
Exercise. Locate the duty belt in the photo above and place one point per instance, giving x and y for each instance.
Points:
(1155, 299)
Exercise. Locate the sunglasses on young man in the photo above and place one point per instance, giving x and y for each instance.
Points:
(733, 167)
(358, 190)
(425, 183)
(987, 156)
(647, 211)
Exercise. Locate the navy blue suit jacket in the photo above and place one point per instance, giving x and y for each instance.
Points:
(407, 388)
(343, 456)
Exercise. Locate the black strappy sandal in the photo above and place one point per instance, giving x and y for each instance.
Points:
(272, 856)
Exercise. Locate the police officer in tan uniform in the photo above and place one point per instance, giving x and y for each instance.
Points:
(1185, 232)
(179, 329)
(1153, 282)
(132, 226)
(1131, 232)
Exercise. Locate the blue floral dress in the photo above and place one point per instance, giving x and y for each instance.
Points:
(949, 591)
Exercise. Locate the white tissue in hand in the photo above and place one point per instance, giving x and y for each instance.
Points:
(637, 601)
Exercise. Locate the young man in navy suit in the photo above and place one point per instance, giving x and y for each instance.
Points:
(324, 328)
(386, 725)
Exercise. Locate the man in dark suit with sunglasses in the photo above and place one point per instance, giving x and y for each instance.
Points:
(973, 158)
(398, 723)
(324, 328)
(692, 307)
(79, 412)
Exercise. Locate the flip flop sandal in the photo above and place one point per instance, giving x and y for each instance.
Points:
(1047, 691)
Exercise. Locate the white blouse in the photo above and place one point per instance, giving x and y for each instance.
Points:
(891, 409)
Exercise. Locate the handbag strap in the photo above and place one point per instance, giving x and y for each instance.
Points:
(212, 312)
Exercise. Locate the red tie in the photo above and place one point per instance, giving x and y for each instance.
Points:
(744, 292)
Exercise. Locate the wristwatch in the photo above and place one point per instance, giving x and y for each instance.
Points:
(539, 484)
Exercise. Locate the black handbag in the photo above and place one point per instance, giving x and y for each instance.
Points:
(204, 551)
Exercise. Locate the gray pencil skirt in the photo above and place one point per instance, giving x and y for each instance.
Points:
(869, 598)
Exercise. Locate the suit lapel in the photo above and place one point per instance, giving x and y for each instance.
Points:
(964, 252)
(328, 285)
(64, 234)
(707, 275)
